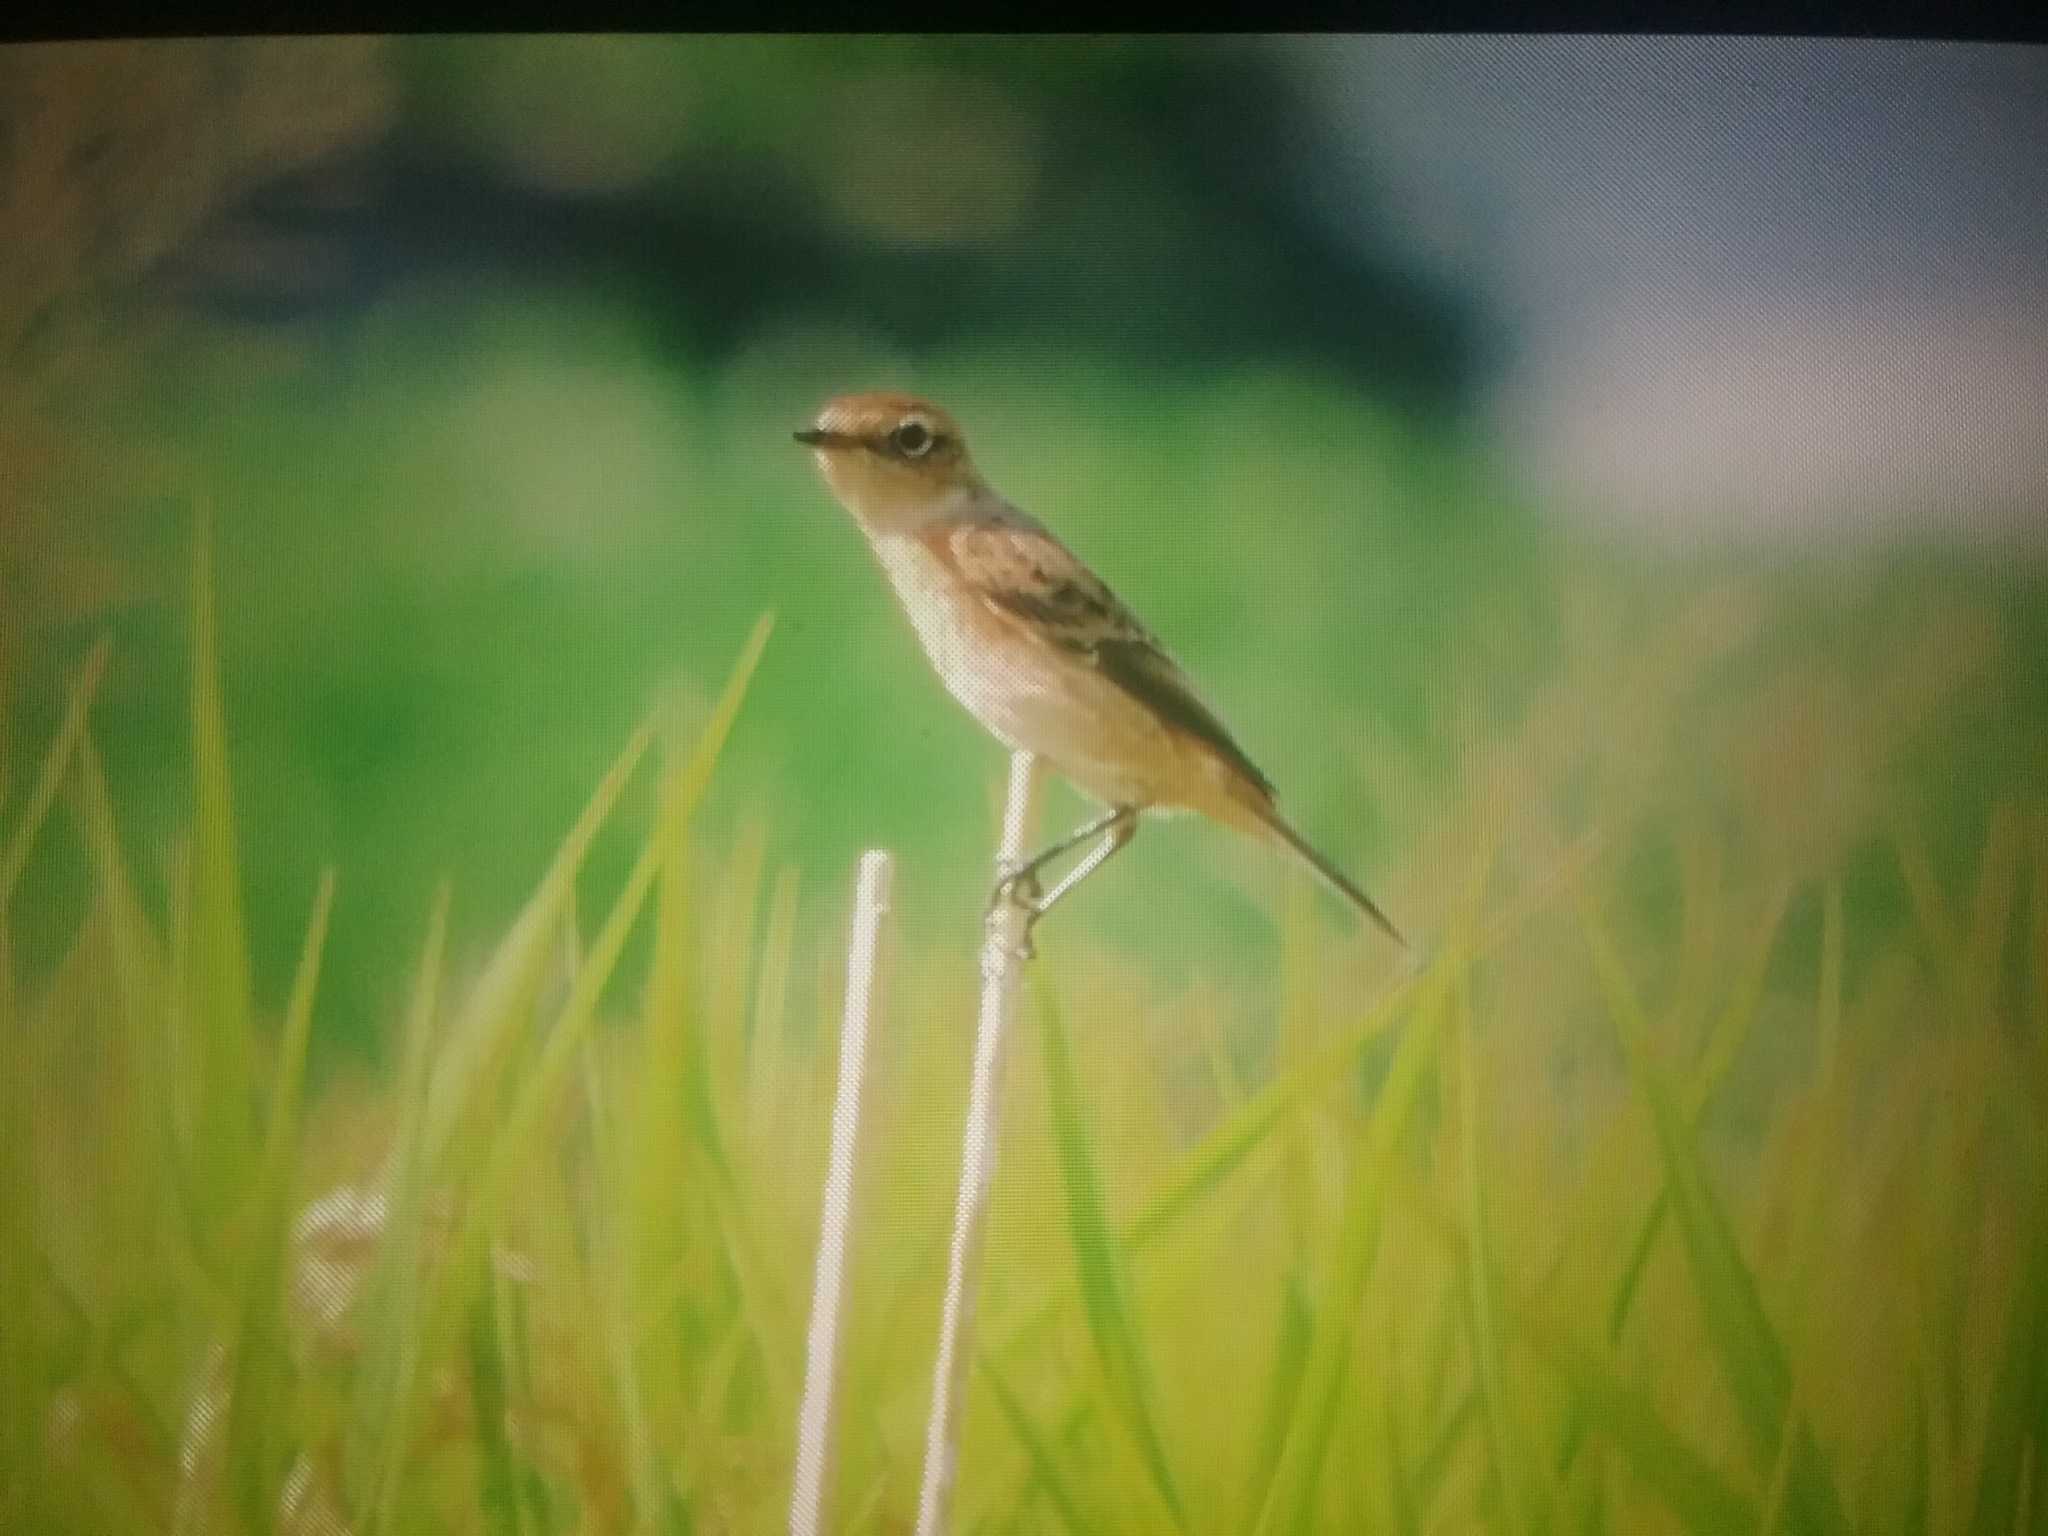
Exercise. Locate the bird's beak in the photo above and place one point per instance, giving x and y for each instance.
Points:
(818, 437)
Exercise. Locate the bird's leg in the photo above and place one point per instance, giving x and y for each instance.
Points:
(1117, 829)
(1021, 879)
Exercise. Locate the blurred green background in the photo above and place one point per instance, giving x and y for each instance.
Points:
(483, 356)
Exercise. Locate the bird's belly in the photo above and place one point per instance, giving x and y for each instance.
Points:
(1027, 694)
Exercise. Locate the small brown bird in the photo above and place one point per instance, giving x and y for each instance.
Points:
(1037, 647)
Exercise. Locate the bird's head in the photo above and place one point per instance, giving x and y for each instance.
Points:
(891, 459)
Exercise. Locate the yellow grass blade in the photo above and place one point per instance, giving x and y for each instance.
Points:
(2010, 1471)
(539, 1096)
(675, 1126)
(14, 854)
(1283, 1390)
(1292, 1502)
(263, 1371)
(387, 1398)
(21, 1410)
(1724, 1044)
(1626, 1418)
(140, 1055)
(1629, 1421)
(218, 1011)
(1523, 1499)
(1827, 1046)
(511, 979)
(1100, 1261)
(1751, 1356)
(2038, 997)
(1045, 1463)
(497, 1476)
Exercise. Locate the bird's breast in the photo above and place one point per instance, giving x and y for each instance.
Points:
(1027, 693)
(1007, 679)
(952, 624)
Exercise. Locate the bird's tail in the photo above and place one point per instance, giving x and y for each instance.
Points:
(1339, 881)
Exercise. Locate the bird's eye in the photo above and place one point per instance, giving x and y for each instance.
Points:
(913, 439)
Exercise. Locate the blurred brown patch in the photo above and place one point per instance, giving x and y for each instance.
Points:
(113, 155)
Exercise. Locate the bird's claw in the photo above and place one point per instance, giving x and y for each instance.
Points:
(1016, 882)
(1018, 885)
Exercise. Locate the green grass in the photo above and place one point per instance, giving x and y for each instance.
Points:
(1673, 1190)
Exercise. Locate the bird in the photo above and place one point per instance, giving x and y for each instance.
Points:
(1039, 650)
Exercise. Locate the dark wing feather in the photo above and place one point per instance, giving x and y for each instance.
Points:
(1020, 569)
(1149, 675)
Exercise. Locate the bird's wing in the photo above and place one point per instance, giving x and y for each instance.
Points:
(1020, 570)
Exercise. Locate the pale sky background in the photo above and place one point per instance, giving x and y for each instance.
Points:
(1756, 286)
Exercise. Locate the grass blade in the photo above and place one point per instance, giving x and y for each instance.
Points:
(549, 1076)
(386, 1399)
(1731, 1029)
(1246, 1132)
(1627, 1420)
(1045, 1466)
(507, 990)
(1747, 1347)
(1990, 922)
(1827, 1047)
(263, 1370)
(1915, 1501)
(21, 1405)
(147, 1150)
(1231, 1144)
(1724, 1044)
(1403, 1507)
(1437, 1458)
(674, 1075)
(1290, 1358)
(1292, 1500)
(1521, 1499)
(2019, 1394)
(2037, 997)
(653, 1498)
(219, 1010)
(1781, 1468)
(512, 977)
(50, 775)
(497, 1486)
(1100, 1261)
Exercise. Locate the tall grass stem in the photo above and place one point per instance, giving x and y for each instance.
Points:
(1001, 971)
(863, 989)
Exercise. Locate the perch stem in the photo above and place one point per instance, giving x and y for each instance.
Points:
(1001, 970)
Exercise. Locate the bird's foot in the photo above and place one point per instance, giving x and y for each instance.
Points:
(1018, 885)
(1015, 882)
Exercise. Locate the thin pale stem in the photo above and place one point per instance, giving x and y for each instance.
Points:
(863, 988)
(1001, 969)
